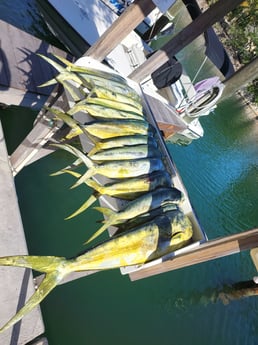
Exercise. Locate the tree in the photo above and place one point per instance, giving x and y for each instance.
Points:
(242, 30)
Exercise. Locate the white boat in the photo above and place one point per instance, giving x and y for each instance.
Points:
(185, 102)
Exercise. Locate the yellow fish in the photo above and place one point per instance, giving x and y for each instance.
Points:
(145, 243)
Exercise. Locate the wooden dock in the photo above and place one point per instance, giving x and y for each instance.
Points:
(16, 284)
(22, 70)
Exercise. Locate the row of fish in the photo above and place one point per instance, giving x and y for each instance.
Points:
(125, 152)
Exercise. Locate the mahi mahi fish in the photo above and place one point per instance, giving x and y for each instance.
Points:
(161, 236)
(140, 205)
(115, 169)
(127, 189)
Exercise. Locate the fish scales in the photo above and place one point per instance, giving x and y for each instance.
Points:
(103, 112)
(102, 92)
(143, 183)
(127, 140)
(118, 128)
(145, 203)
(128, 168)
(146, 217)
(114, 104)
(126, 152)
(142, 204)
(154, 239)
(138, 246)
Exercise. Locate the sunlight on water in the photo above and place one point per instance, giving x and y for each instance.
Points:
(182, 307)
(25, 16)
(223, 168)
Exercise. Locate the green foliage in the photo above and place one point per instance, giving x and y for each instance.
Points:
(253, 90)
(242, 30)
(243, 33)
(241, 37)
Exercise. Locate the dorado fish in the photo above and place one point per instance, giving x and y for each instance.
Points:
(145, 243)
(117, 128)
(104, 129)
(126, 152)
(112, 129)
(127, 140)
(140, 205)
(103, 92)
(146, 217)
(109, 103)
(122, 169)
(76, 72)
(114, 169)
(103, 112)
(89, 78)
(127, 189)
(81, 70)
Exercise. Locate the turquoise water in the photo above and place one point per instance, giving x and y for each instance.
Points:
(182, 307)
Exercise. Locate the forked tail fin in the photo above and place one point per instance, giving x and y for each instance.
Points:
(83, 207)
(106, 211)
(99, 231)
(55, 269)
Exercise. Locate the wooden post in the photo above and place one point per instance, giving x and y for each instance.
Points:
(184, 37)
(240, 78)
(128, 21)
(210, 250)
(39, 135)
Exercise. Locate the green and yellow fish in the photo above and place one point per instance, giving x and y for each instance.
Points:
(144, 203)
(127, 189)
(145, 243)
(114, 169)
(126, 152)
(100, 111)
(127, 140)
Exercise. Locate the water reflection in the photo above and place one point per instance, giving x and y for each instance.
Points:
(222, 294)
(181, 307)
(220, 170)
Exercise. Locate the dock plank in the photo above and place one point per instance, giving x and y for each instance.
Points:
(20, 66)
(211, 250)
(16, 284)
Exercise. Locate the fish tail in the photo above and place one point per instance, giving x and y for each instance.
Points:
(88, 162)
(62, 78)
(106, 211)
(93, 150)
(84, 206)
(65, 170)
(53, 63)
(74, 151)
(69, 120)
(71, 172)
(73, 133)
(99, 232)
(74, 165)
(49, 83)
(83, 178)
(63, 60)
(56, 269)
(94, 185)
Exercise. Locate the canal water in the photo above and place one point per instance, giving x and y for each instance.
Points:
(182, 307)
